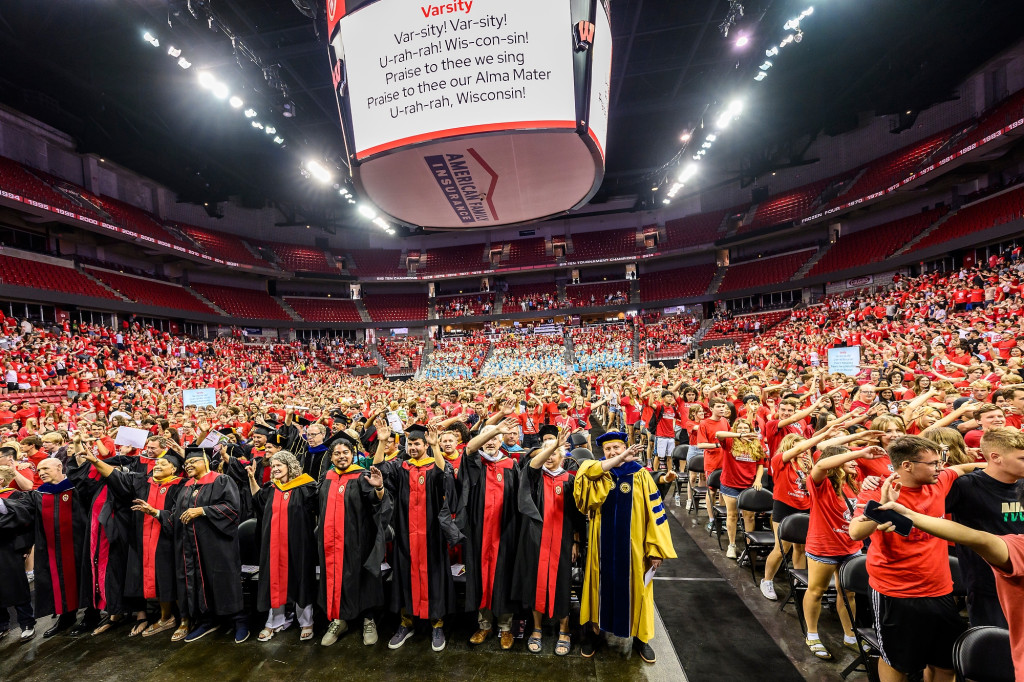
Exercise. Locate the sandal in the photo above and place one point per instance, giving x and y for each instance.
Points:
(139, 627)
(564, 645)
(266, 634)
(160, 626)
(306, 634)
(181, 633)
(818, 649)
(106, 623)
(533, 644)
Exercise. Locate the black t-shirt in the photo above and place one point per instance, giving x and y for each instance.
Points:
(981, 502)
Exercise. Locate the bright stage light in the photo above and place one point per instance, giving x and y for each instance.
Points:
(173, 51)
(367, 211)
(184, 63)
(151, 39)
(742, 41)
(317, 170)
(235, 102)
(687, 172)
(220, 91)
(206, 80)
(278, 140)
(250, 113)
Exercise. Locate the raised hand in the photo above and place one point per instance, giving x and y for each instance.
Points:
(251, 471)
(144, 507)
(508, 425)
(376, 478)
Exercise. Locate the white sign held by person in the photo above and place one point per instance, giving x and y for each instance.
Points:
(136, 438)
(844, 360)
(200, 397)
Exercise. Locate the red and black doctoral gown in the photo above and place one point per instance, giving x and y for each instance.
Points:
(60, 542)
(151, 567)
(15, 543)
(423, 526)
(108, 537)
(287, 519)
(351, 543)
(489, 518)
(455, 465)
(241, 457)
(548, 519)
(208, 563)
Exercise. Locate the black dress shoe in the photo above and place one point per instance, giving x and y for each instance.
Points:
(82, 629)
(55, 628)
(645, 650)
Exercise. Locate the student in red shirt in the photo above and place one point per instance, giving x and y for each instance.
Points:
(742, 468)
(917, 620)
(1004, 553)
(708, 440)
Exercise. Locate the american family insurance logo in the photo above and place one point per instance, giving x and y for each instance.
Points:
(468, 184)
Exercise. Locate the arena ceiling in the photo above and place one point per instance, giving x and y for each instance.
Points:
(83, 67)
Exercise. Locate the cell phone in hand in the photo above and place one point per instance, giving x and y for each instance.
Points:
(901, 524)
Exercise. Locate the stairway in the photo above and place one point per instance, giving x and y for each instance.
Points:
(361, 307)
(560, 297)
(205, 300)
(499, 302)
(747, 218)
(432, 310)
(716, 281)
(288, 309)
(806, 267)
(701, 332)
(106, 286)
(570, 351)
(636, 348)
(853, 182)
(256, 254)
(380, 359)
(931, 228)
(634, 291)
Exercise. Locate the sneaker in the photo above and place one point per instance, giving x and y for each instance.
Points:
(676, 499)
(400, 636)
(437, 641)
(689, 505)
(241, 634)
(710, 527)
(335, 629)
(27, 634)
(645, 650)
(369, 632)
(200, 631)
(731, 552)
(768, 590)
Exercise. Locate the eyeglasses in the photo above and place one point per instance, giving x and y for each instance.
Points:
(934, 465)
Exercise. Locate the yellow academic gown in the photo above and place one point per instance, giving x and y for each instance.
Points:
(628, 523)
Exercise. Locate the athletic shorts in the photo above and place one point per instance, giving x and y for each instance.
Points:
(781, 510)
(832, 560)
(663, 447)
(915, 632)
(692, 452)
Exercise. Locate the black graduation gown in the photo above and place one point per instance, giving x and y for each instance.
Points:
(107, 541)
(234, 466)
(423, 525)
(151, 559)
(488, 517)
(208, 563)
(60, 540)
(549, 517)
(15, 542)
(351, 541)
(316, 462)
(287, 518)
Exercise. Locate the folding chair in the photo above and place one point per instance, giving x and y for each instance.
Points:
(793, 529)
(718, 512)
(696, 466)
(853, 576)
(759, 542)
(983, 654)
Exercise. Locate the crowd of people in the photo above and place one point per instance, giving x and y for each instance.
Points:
(470, 471)
(460, 306)
(602, 347)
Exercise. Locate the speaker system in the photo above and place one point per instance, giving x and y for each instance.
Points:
(321, 243)
(758, 194)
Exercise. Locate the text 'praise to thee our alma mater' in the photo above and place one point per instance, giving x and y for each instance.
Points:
(447, 66)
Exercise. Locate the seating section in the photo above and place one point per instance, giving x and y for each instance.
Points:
(526, 252)
(597, 293)
(891, 168)
(139, 221)
(680, 283)
(401, 356)
(453, 259)
(692, 230)
(396, 307)
(223, 245)
(670, 338)
(1003, 114)
(470, 304)
(373, 262)
(24, 182)
(152, 292)
(460, 358)
(324, 309)
(997, 210)
(604, 244)
(249, 304)
(302, 258)
(786, 207)
(875, 243)
(24, 272)
(523, 297)
(764, 271)
(743, 329)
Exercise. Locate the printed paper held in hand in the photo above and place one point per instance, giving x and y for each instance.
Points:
(649, 575)
(395, 422)
(136, 438)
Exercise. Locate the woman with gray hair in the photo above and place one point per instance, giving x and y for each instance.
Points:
(286, 508)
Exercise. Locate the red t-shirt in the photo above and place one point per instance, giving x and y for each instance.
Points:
(916, 565)
(790, 484)
(774, 435)
(881, 467)
(828, 533)
(706, 434)
(532, 420)
(666, 427)
(739, 469)
(1010, 588)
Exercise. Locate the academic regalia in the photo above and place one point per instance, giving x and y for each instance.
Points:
(423, 526)
(351, 543)
(548, 519)
(209, 567)
(287, 517)
(107, 539)
(627, 524)
(235, 467)
(316, 462)
(15, 542)
(488, 517)
(60, 541)
(151, 561)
